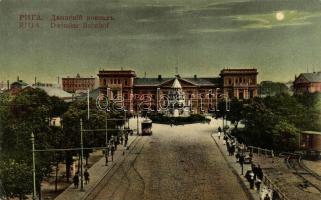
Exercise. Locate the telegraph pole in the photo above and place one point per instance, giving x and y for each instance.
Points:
(34, 195)
(106, 141)
(81, 156)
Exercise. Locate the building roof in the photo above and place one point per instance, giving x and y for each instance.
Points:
(243, 71)
(160, 81)
(54, 91)
(311, 77)
(203, 81)
(311, 132)
(150, 81)
(176, 84)
(20, 82)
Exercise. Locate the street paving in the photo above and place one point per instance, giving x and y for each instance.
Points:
(179, 162)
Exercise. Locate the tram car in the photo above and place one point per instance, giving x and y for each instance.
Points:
(147, 127)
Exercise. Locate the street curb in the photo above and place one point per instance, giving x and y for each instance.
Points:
(239, 178)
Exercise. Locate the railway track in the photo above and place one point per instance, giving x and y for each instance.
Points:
(310, 179)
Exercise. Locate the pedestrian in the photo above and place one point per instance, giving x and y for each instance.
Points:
(219, 129)
(251, 176)
(106, 152)
(267, 197)
(76, 180)
(86, 175)
(121, 140)
(241, 161)
(254, 170)
(259, 172)
(258, 184)
(126, 140)
(112, 150)
(232, 150)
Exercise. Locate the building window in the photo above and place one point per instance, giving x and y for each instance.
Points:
(241, 94)
(229, 81)
(114, 94)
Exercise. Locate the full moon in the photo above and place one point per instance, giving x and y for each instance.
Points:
(279, 16)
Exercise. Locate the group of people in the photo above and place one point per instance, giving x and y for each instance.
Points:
(76, 178)
(109, 150)
(255, 176)
(231, 147)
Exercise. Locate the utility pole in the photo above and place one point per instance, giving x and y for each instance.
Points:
(137, 119)
(81, 156)
(106, 141)
(34, 195)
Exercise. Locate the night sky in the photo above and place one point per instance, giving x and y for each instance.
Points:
(279, 38)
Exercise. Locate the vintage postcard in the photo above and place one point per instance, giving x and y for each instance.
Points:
(160, 99)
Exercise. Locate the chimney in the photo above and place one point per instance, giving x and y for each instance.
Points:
(159, 77)
(195, 76)
(35, 80)
(8, 85)
(18, 78)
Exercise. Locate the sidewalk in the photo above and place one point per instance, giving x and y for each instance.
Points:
(236, 168)
(97, 172)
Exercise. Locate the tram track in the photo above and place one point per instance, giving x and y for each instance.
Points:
(121, 166)
(310, 178)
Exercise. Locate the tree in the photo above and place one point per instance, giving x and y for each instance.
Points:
(235, 114)
(26, 113)
(16, 178)
(285, 136)
(71, 128)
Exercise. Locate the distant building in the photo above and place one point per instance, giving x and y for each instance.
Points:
(17, 86)
(307, 82)
(239, 83)
(78, 83)
(197, 93)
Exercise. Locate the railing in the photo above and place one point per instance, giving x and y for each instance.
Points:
(266, 180)
(269, 183)
(261, 151)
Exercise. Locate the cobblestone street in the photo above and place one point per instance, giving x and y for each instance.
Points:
(179, 162)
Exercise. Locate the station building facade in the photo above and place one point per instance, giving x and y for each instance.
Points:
(198, 94)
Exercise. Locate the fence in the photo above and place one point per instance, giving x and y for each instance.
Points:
(278, 194)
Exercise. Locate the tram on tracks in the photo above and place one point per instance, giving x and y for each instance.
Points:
(147, 127)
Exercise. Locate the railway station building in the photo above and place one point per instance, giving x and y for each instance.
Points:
(196, 94)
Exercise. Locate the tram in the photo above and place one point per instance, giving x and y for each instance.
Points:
(147, 127)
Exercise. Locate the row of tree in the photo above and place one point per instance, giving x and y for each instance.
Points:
(31, 111)
(274, 122)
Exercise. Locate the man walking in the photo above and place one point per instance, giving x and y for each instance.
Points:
(76, 180)
(86, 175)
